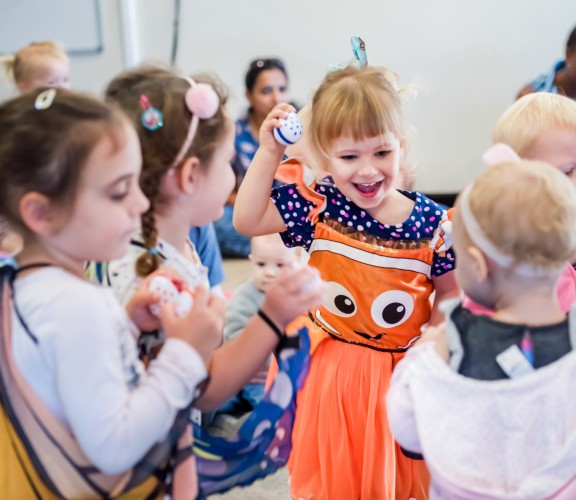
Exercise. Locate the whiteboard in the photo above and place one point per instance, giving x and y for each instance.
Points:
(74, 24)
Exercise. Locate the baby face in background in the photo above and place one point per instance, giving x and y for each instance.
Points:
(269, 256)
(47, 72)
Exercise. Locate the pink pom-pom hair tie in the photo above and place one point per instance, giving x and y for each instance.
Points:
(203, 102)
(499, 153)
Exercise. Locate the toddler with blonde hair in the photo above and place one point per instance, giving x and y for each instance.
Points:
(38, 64)
(484, 399)
(541, 126)
(383, 253)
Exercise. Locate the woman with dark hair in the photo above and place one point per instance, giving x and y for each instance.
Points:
(561, 79)
(266, 85)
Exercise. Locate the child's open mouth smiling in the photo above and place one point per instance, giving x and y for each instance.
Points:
(368, 190)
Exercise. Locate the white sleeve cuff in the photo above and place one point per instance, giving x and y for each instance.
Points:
(180, 362)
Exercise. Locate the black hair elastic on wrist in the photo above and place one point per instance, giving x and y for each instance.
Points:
(284, 341)
(279, 333)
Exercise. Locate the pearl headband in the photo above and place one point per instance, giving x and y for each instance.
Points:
(498, 153)
(480, 239)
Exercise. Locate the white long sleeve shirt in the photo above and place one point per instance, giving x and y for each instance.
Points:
(505, 439)
(85, 368)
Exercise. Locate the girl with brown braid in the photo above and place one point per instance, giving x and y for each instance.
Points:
(187, 142)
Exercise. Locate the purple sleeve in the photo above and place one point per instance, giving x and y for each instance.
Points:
(294, 209)
(444, 259)
(442, 264)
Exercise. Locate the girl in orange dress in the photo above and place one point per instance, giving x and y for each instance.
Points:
(382, 252)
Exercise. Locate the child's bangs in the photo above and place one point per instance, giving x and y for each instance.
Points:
(529, 117)
(361, 115)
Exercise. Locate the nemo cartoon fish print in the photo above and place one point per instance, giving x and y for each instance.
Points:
(377, 297)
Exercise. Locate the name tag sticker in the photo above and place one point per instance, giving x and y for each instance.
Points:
(513, 362)
(196, 416)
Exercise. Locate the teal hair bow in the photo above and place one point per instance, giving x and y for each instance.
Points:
(359, 51)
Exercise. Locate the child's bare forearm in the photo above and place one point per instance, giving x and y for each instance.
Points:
(437, 316)
(254, 213)
(235, 363)
(446, 288)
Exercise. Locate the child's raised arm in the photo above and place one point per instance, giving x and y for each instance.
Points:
(254, 213)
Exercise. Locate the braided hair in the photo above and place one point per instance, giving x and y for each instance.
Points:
(165, 91)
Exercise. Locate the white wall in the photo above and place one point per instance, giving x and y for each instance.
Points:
(469, 57)
(90, 72)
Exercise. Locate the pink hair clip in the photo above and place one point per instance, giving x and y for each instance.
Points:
(500, 153)
(203, 102)
(152, 118)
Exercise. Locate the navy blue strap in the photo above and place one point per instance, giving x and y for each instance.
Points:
(11, 278)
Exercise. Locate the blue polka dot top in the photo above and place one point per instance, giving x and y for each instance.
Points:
(422, 223)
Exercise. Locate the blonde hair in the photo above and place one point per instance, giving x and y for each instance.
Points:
(302, 149)
(19, 66)
(361, 102)
(529, 116)
(527, 210)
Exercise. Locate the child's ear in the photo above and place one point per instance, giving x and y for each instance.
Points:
(189, 174)
(22, 87)
(38, 214)
(479, 264)
(402, 147)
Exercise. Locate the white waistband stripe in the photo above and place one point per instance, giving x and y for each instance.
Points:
(372, 259)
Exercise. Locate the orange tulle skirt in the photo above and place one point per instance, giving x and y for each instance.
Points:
(342, 444)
